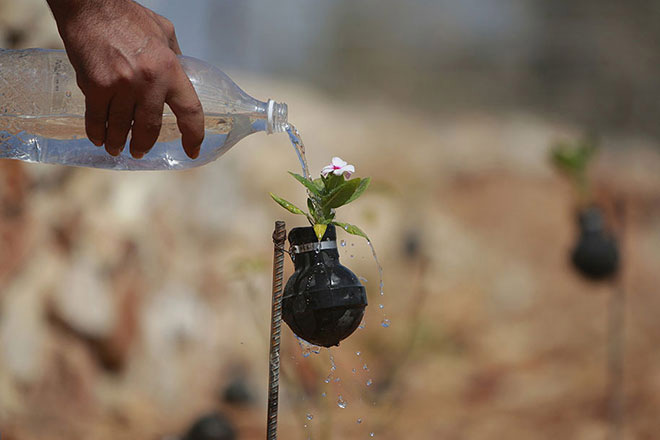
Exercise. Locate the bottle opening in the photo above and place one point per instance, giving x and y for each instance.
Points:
(278, 114)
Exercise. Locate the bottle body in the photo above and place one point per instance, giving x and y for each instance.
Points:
(42, 116)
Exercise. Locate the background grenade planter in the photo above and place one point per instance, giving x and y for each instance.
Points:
(323, 301)
(596, 254)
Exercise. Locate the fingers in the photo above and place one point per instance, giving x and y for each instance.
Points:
(120, 118)
(96, 113)
(185, 105)
(147, 122)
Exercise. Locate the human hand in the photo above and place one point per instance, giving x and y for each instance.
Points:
(125, 60)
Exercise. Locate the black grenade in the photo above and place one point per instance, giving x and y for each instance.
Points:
(596, 254)
(213, 426)
(323, 301)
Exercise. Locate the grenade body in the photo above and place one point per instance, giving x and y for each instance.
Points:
(323, 301)
(596, 254)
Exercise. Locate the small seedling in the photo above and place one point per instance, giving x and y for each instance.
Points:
(573, 159)
(331, 190)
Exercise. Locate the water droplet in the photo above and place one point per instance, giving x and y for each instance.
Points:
(342, 243)
(363, 279)
(359, 421)
(307, 348)
(337, 379)
(310, 416)
(371, 434)
(323, 394)
(361, 326)
(341, 402)
(354, 370)
(358, 353)
(385, 323)
(369, 382)
(305, 425)
(380, 306)
(327, 380)
(365, 368)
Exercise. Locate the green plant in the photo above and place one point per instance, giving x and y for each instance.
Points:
(572, 158)
(331, 190)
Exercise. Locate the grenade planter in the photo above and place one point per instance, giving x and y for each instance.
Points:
(323, 301)
(596, 254)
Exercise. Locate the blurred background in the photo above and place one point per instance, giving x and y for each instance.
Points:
(132, 304)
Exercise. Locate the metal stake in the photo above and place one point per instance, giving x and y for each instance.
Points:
(279, 236)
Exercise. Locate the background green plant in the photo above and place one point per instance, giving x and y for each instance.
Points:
(572, 159)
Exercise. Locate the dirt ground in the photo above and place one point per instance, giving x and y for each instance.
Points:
(131, 302)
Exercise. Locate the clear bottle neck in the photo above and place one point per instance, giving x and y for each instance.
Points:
(277, 117)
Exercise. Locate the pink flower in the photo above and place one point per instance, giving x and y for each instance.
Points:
(338, 167)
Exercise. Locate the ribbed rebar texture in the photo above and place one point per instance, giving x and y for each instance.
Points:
(279, 237)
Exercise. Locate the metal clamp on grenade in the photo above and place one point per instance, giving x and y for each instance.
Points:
(323, 301)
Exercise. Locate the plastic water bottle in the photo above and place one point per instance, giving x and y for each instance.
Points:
(42, 116)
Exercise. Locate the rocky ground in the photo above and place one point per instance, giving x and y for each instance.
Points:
(132, 303)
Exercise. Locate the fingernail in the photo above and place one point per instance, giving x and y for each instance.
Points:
(138, 155)
(97, 142)
(195, 152)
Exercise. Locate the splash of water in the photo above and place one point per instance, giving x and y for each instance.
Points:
(380, 268)
(307, 348)
(333, 368)
(341, 402)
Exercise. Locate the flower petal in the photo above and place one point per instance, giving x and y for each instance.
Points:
(337, 162)
(348, 170)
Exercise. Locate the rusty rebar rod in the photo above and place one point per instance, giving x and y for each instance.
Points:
(616, 334)
(279, 236)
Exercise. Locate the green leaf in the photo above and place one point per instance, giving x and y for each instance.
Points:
(319, 184)
(314, 212)
(308, 184)
(363, 185)
(351, 229)
(332, 181)
(573, 158)
(288, 205)
(319, 230)
(340, 195)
